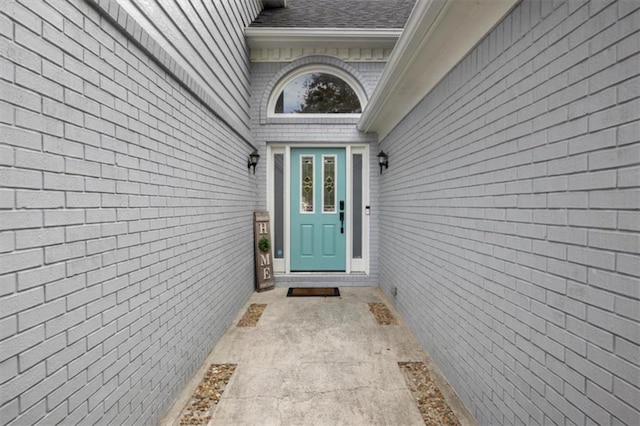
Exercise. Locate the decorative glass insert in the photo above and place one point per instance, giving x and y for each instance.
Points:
(329, 184)
(318, 93)
(357, 206)
(278, 222)
(306, 185)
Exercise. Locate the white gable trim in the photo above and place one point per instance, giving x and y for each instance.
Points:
(438, 34)
(347, 54)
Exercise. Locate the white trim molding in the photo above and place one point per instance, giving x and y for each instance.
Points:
(320, 68)
(438, 34)
(349, 44)
(314, 61)
(356, 266)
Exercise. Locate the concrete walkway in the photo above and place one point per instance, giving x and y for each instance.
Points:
(317, 361)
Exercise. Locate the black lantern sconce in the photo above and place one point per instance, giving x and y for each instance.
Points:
(253, 160)
(383, 160)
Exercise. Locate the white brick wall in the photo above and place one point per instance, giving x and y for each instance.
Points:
(125, 219)
(510, 217)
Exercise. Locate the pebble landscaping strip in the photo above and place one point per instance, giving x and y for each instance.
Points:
(253, 314)
(382, 314)
(207, 394)
(431, 403)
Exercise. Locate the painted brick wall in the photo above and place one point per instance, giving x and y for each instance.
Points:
(510, 217)
(207, 39)
(125, 220)
(315, 131)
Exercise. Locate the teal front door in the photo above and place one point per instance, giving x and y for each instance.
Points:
(318, 216)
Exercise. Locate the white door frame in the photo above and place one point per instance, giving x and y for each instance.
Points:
(352, 265)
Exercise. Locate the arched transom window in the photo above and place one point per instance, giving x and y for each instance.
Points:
(317, 90)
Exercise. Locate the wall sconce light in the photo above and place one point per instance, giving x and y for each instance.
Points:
(383, 160)
(253, 160)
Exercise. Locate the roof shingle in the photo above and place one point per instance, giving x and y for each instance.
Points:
(337, 14)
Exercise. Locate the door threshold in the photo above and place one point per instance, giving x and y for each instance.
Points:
(318, 273)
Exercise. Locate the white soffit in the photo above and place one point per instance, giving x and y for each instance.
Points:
(279, 37)
(438, 34)
(274, 3)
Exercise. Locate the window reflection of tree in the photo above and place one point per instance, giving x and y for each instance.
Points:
(318, 93)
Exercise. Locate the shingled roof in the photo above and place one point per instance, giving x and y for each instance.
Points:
(337, 14)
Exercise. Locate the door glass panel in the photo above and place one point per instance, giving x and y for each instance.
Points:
(329, 183)
(278, 222)
(306, 185)
(357, 206)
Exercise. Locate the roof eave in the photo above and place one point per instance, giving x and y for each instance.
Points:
(438, 34)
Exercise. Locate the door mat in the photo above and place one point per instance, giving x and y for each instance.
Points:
(207, 395)
(432, 405)
(252, 315)
(313, 292)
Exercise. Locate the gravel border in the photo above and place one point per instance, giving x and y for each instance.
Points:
(433, 407)
(252, 315)
(200, 406)
(382, 314)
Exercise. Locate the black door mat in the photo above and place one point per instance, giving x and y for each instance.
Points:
(313, 292)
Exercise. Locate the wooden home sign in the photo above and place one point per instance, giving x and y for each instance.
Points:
(263, 248)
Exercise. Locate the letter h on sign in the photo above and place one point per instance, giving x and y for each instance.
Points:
(263, 228)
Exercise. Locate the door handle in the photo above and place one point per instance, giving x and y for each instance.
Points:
(342, 216)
